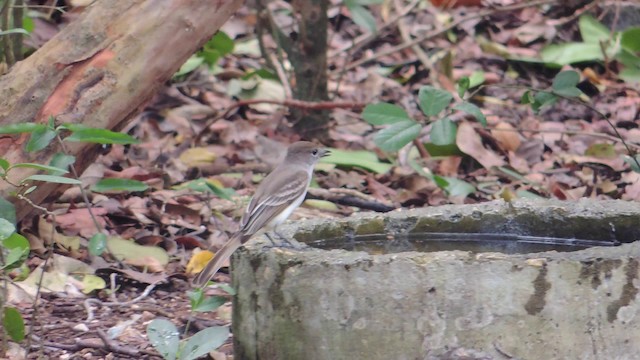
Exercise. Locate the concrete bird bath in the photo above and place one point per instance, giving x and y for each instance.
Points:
(497, 299)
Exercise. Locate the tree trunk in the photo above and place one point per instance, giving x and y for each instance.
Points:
(308, 56)
(99, 71)
(307, 51)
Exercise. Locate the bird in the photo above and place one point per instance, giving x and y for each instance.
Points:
(277, 196)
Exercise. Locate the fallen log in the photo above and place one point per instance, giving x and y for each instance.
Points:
(99, 71)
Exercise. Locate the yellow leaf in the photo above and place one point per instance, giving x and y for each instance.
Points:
(92, 282)
(198, 261)
(198, 156)
(129, 250)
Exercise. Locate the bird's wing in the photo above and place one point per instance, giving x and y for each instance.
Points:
(274, 194)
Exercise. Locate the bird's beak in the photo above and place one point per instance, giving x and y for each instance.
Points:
(325, 152)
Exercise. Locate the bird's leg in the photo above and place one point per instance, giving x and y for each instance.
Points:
(284, 242)
(283, 238)
(273, 243)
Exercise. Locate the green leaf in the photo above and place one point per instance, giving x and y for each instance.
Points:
(472, 110)
(569, 53)
(630, 39)
(397, 135)
(40, 167)
(454, 187)
(14, 31)
(543, 98)
(206, 186)
(527, 98)
(359, 159)
(61, 161)
(20, 128)
(592, 31)
(384, 114)
(210, 56)
(6, 229)
(565, 79)
(432, 100)
(361, 16)
(97, 244)
(191, 64)
(18, 247)
(203, 342)
(630, 75)
(195, 297)
(111, 185)
(463, 86)
(28, 24)
(634, 162)
(4, 164)
(53, 179)
(7, 211)
(40, 139)
(220, 192)
(164, 337)
(443, 132)
(209, 303)
(443, 150)
(13, 324)
(101, 136)
(221, 42)
(476, 79)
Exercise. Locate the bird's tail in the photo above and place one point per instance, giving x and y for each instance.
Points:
(221, 256)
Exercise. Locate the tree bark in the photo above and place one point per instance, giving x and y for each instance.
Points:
(99, 71)
(306, 49)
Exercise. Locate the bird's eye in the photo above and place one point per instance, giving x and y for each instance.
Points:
(314, 152)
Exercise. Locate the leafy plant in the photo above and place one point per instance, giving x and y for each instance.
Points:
(165, 338)
(564, 85)
(217, 47)
(599, 44)
(41, 136)
(402, 129)
(14, 250)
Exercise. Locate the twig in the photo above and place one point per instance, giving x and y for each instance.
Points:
(89, 344)
(111, 346)
(446, 28)
(88, 302)
(349, 197)
(277, 65)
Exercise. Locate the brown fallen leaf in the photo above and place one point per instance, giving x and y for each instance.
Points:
(79, 221)
(507, 137)
(469, 142)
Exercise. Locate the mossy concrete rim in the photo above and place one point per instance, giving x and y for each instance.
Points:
(611, 220)
(337, 304)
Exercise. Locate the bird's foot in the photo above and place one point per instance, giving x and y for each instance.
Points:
(284, 242)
